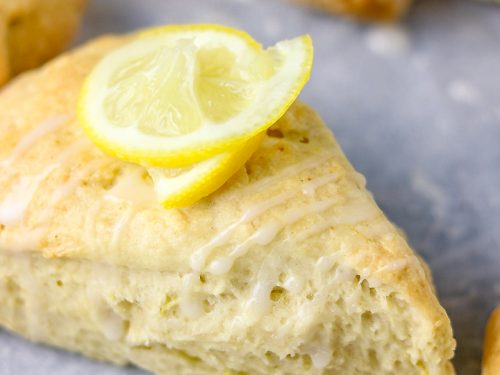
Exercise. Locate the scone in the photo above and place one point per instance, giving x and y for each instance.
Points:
(33, 31)
(289, 268)
(491, 349)
(377, 10)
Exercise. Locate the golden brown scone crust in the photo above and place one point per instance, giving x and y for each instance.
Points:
(33, 31)
(491, 349)
(377, 10)
(80, 225)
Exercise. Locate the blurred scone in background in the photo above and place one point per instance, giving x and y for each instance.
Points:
(33, 31)
(378, 10)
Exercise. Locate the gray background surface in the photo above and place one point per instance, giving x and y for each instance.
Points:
(416, 109)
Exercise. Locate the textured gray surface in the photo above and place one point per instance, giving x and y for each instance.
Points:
(416, 109)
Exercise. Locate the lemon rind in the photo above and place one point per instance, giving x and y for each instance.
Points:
(203, 179)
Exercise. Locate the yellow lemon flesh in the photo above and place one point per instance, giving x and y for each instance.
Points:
(178, 95)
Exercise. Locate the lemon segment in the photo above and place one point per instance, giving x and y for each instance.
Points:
(177, 95)
(181, 187)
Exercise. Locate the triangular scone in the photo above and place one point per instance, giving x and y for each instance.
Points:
(289, 268)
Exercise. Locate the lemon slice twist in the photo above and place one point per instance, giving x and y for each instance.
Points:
(189, 102)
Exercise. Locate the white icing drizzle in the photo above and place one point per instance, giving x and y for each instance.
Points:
(112, 325)
(69, 186)
(261, 236)
(267, 232)
(357, 211)
(309, 188)
(349, 215)
(320, 356)
(295, 214)
(120, 225)
(221, 265)
(294, 284)
(313, 229)
(199, 257)
(45, 127)
(318, 347)
(191, 302)
(260, 302)
(14, 205)
(396, 265)
(324, 263)
(133, 189)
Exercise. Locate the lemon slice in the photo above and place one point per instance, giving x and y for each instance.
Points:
(180, 187)
(177, 95)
